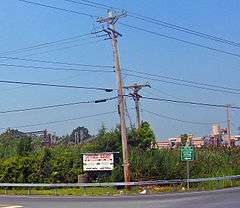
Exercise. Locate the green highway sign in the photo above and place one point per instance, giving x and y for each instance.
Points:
(187, 153)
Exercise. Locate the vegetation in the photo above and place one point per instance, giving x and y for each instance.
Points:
(25, 160)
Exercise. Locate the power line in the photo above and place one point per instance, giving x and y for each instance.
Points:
(68, 47)
(55, 68)
(56, 85)
(179, 120)
(58, 8)
(86, 4)
(182, 84)
(142, 17)
(46, 44)
(165, 36)
(23, 86)
(57, 105)
(182, 80)
(100, 5)
(163, 92)
(180, 40)
(225, 89)
(160, 93)
(190, 102)
(191, 84)
(183, 29)
(60, 121)
(53, 45)
(162, 23)
(56, 62)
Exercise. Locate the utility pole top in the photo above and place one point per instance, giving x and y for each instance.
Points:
(136, 87)
(112, 18)
(136, 97)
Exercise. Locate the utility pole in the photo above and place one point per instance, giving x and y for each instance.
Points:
(229, 124)
(136, 97)
(46, 139)
(111, 20)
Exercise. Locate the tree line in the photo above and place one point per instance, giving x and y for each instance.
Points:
(24, 159)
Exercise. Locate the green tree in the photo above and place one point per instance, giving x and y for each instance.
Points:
(24, 146)
(108, 141)
(142, 138)
(79, 134)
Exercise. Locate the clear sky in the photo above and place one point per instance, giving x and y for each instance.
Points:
(24, 25)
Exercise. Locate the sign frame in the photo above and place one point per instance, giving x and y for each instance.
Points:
(98, 161)
(188, 153)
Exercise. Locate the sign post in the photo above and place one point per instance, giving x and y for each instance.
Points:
(187, 154)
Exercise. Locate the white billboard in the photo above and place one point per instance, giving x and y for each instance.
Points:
(98, 161)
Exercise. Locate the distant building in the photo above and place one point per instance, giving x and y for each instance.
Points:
(175, 141)
(232, 141)
(198, 142)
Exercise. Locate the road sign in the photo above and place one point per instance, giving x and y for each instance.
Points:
(98, 161)
(187, 153)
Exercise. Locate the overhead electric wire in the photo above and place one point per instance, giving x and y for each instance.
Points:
(101, 5)
(191, 102)
(145, 30)
(229, 90)
(161, 23)
(57, 8)
(182, 80)
(191, 84)
(54, 68)
(54, 80)
(154, 21)
(182, 84)
(86, 4)
(46, 44)
(56, 85)
(179, 120)
(180, 40)
(56, 62)
(162, 92)
(67, 47)
(184, 29)
(57, 105)
(53, 45)
(60, 121)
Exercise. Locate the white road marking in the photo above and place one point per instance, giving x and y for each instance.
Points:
(12, 207)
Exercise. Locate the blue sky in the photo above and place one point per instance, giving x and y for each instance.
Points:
(24, 25)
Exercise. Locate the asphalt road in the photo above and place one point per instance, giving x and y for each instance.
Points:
(228, 198)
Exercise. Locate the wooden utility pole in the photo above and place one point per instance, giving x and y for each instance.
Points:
(228, 124)
(46, 139)
(136, 97)
(111, 20)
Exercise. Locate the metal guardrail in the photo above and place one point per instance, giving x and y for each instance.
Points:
(116, 184)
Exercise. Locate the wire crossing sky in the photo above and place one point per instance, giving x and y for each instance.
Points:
(186, 50)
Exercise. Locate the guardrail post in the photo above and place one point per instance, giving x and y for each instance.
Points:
(55, 191)
(218, 184)
(174, 187)
(29, 191)
(5, 191)
(84, 188)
